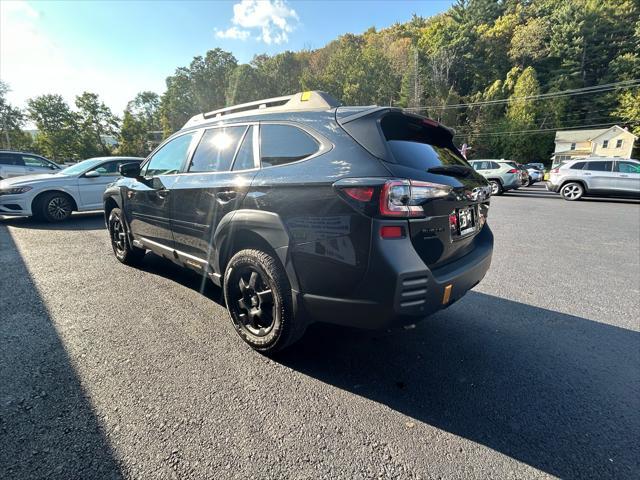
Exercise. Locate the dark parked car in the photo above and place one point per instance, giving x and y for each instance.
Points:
(305, 211)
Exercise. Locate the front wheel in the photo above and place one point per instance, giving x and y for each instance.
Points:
(122, 248)
(259, 300)
(572, 191)
(53, 207)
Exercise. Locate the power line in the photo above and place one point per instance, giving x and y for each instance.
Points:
(541, 130)
(543, 96)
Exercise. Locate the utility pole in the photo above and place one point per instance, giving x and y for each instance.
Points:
(416, 79)
(6, 131)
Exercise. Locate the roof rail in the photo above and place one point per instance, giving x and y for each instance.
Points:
(310, 100)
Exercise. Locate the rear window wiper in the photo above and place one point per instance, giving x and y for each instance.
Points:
(451, 170)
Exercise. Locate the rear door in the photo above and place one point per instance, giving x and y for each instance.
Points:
(11, 165)
(627, 177)
(214, 184)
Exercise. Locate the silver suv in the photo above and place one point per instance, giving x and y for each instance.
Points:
(501, 174)
(15, 164)
(612, 177)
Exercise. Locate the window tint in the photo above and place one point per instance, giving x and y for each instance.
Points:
(600, 166)
(170, 157)
(244, 158)
(8, 159)
(627, 167)
(577, 166)
(35, 162)
(216, 149)
(280, 144)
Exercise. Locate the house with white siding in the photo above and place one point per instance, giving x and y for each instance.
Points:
(601, 142)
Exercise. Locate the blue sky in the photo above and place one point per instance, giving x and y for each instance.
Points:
(117, 48)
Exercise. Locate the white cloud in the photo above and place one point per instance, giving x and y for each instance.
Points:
(273, 18)
(234, 33)
(33, 63)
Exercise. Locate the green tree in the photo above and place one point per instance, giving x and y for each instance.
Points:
(140, 124)
(12, 120)
(95, 121)
(58, 128)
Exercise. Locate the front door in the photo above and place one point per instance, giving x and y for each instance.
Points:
(599, 175)
(215, 184)
(12, 165)
(92, 188)
(627, 177)
(148, 198)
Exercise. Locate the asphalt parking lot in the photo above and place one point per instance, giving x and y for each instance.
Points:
(112, 372)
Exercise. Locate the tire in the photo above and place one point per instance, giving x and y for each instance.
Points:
(496, 187)
(54, 207)
(124, 251)
(572, 191)
(527, 183)
(259, 300)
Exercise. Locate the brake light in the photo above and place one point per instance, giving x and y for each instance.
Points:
(513, 170)
(555, 170)
(362, 194)
(391, 231)
(404, 198)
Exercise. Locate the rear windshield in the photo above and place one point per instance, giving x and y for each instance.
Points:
(418, 145)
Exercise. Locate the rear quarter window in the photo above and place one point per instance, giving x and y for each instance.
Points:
(282, 144)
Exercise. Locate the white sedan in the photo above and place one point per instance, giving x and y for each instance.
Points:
(53, 196)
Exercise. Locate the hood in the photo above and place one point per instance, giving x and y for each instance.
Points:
(32, 179)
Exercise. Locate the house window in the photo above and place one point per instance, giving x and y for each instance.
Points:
(619, 143)
(573, 146)
(605, 144)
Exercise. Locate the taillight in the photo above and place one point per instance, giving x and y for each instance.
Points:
(404, 198)
(362, 194)
(555, 170)
(513, 170)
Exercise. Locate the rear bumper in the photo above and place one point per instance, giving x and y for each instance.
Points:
(400, 289)
(552, 187)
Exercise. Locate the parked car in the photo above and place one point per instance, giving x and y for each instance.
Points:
(14, 164)
(611, 177)
(501, 174)
(52, 197)
(303, 210)
(536, 174)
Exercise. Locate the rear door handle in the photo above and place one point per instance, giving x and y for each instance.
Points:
(226, 195)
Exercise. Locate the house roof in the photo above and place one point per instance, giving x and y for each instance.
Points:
(574, 136)
(618, 128)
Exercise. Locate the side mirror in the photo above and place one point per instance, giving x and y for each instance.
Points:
(131, 170)
(92, 174)
(54, 167)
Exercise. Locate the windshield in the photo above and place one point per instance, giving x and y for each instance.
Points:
(80, 167)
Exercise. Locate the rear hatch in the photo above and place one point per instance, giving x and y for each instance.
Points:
(420, 150)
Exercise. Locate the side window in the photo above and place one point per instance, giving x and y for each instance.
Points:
(281, 144)
(577, 166)
(111, 168)
(600, 166)
(244, 158)
(475, 165)
(493, 166)
(7, 159)
(170, 157)
(35, 162)
(216, 149)
(627, 167)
